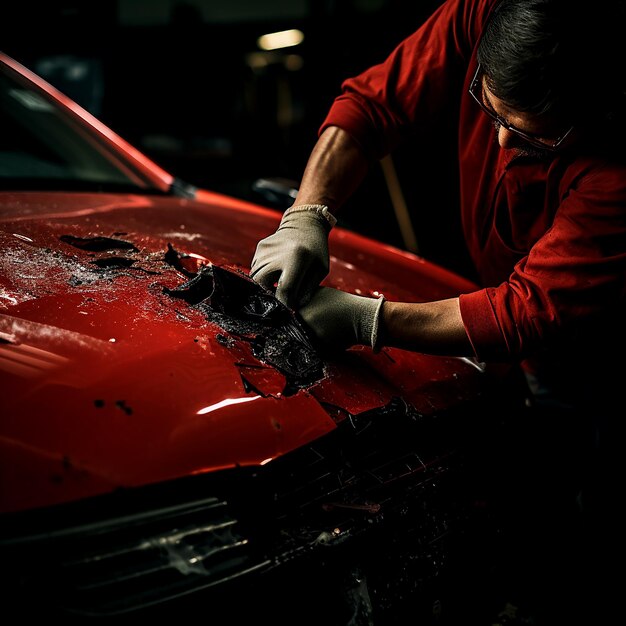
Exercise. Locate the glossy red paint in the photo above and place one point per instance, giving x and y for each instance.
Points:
(113, 383)
(109, 382)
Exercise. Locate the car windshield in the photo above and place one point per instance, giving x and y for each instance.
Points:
(42, 148)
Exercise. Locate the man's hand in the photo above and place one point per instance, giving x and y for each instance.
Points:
(340, 320)
(296, 255)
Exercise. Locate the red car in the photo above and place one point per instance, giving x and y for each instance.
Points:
(171, 437)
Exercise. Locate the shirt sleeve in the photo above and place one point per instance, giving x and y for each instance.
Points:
(389, 101)
(572, 281)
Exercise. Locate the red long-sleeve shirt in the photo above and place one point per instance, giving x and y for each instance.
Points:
(548, 237)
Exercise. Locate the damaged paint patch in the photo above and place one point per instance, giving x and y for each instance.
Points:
(243, 308)
(183, 263)
(115, 261)
(98, 244)
(119, 263)
(122, 406)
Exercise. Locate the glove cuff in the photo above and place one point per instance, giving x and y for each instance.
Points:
(376, 335)
(319, 209)
(370, 322)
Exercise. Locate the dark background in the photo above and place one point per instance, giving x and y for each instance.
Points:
(186, 82)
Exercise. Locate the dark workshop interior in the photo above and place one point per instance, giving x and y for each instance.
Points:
(189, 83)
(196, 87)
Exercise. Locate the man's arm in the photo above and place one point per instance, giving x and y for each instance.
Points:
(335, 169)
(340, 319)
(295, 258)
(431, 327)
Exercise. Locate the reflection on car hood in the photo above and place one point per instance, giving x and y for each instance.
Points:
(116, 373)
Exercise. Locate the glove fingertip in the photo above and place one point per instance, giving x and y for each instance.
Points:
(284, 296)
(264, 277)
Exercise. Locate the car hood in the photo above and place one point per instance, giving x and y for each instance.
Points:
(114, 377)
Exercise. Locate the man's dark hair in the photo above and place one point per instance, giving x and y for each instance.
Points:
(557, 57)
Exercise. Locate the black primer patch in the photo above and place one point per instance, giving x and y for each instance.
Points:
(98, 244)
(245, 309)
(194, 291)
(121, 404)
(178, 261)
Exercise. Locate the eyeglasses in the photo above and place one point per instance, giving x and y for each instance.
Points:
(476, 90)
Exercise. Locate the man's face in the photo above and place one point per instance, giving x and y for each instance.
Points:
(541, 127)
(526, 133)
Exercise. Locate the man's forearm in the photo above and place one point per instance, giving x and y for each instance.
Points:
(431, 327)
(335, 169)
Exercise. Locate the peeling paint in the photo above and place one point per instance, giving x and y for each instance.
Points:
(98, 244)
(250, 313)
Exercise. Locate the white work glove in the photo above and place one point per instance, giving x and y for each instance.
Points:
(340, 320)
(296, 255)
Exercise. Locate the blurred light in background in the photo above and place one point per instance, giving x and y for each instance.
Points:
(281, 39)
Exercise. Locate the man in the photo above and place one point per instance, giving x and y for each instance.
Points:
(540, 90)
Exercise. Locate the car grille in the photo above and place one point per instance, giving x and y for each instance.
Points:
(383, 481)
(134, 561)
